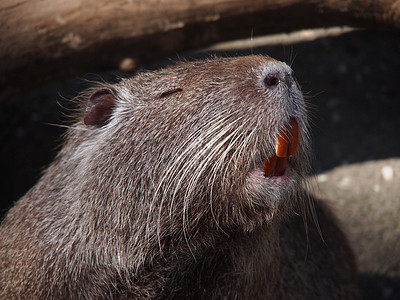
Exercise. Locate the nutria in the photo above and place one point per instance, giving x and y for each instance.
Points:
(180, 183)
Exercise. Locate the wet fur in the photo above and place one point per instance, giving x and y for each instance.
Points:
(162, 201)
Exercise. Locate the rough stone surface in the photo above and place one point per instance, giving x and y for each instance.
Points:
(366, 198)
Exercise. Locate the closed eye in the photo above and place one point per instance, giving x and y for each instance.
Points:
(170, 92)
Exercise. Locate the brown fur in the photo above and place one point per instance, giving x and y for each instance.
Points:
(165, 197)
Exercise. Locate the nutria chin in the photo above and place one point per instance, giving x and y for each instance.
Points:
(180, 183)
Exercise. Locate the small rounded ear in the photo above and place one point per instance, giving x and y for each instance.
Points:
(99, 107)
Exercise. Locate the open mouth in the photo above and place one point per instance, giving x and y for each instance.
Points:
(285, 146)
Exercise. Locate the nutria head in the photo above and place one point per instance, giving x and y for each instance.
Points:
(194, 147)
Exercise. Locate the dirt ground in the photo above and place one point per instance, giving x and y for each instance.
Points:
(352, 84)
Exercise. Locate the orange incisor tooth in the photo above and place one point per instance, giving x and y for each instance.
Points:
(269, 165)
(281, 145)
(294, 137)
(280, 166)
(285, 146)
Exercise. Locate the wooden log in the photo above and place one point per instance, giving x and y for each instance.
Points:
(44, 40)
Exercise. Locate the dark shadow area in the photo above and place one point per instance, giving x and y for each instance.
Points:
(387, 289)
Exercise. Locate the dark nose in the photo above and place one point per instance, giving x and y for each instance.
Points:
(274, 79)
(271, 80)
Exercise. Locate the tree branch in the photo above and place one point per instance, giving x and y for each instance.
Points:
(43, 40)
